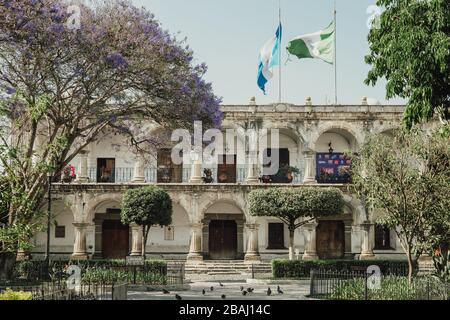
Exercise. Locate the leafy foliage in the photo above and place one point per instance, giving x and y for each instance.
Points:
(411, 49)
(291, 204)
(9, 294)
(405, 178)
(147, 206)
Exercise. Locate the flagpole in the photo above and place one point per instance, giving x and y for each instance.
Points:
(335, 55)
(280, 51)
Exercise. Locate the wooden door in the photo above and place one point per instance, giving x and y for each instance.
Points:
(276, 236)
(223, 240)
(330, 239)
(115, 240)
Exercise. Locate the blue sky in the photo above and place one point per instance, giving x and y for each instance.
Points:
(228, 34)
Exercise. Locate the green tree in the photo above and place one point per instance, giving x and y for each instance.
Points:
(406, 179)
(296, 206)
(410, 47)
(146, 207)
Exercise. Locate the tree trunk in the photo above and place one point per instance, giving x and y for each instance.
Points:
(144, 241)
(291, 243)
(410, 266)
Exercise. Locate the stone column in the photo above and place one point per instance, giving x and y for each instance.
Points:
(367, 247)
(136, 240)
(252, 253)
(195, 249)
(348, 240)
(196, 167)
(310, 175)
(79, 247)
(82, 174)
(252, 174)
(139, 168)
(310, 241)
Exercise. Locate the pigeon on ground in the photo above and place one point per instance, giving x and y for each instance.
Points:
(244, 293)
(224, 296)
(250, 290)
(242, 288)
(212, 288)
(220, 284)
(178, 297)
(166, 291)
(279, 290)
(203, 291)
(269, 291)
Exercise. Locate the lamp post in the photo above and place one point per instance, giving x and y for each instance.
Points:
(49, 210)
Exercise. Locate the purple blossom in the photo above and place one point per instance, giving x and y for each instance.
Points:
(116, 59)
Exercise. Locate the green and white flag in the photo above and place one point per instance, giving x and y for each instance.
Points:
(318, 45)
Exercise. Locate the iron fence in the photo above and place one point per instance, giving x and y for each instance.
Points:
(358, 285)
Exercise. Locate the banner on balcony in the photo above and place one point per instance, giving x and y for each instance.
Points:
(333, 167)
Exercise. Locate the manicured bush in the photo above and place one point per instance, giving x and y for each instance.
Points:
(302, 269)
(9, 294)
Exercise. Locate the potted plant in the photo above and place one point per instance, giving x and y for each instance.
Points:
(68, 174)
(285, 174)
(207, 178)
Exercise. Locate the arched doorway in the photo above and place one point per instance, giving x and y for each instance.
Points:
(223, 232)
(112, 238)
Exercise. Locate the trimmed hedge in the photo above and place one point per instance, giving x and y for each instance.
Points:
(33, 269)
(302, 269)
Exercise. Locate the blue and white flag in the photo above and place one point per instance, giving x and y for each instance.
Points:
(268, 58)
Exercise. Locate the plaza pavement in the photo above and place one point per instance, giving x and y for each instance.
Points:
(295, 291)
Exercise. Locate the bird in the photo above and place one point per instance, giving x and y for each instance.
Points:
(279, 290)
(244, 293)
(220, 284)
(212, 288)
(250, 290)
(178, 297)
(224, 296)
(166, 291)
(203, 291)
(242, 288)
(269, 291)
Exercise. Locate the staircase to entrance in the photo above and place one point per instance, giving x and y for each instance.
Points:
(227, 270)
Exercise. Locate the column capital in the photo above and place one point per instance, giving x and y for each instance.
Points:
(81, 225)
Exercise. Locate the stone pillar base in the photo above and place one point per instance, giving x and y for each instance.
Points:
(252, 258)
(138, 180)
(79, 257)
(310, 256)
(367, 256)
(194, 258)
(196, 180)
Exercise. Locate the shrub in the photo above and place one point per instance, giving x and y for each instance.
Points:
(9, 294)
(392, 288)
(302, 269)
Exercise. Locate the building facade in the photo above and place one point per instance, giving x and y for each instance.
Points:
(212, 220)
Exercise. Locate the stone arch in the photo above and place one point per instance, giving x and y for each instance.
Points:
(343, 128)
(357, 209)
(98, 200)
(223, 221)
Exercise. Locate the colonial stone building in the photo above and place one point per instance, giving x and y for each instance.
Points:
(211, 220)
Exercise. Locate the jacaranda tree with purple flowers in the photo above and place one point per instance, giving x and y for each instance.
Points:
(64, 82)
